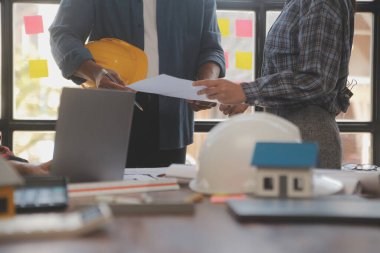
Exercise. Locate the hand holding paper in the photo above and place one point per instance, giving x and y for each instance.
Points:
(171, 87)
(225, 91)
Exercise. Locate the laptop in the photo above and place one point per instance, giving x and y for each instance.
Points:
(92, 134)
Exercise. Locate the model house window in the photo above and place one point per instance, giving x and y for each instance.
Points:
(268, 183)
(3, 205)
(298, 184)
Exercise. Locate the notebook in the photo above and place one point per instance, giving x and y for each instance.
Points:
(92, 134)
(331, 209)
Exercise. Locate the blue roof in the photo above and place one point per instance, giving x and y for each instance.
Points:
(285, 155)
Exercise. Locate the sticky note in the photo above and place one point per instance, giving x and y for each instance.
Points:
(38, 68)
(243, 27)
(33, 24)
(244, 60)
(220, 199)
(224, 26)
(226, 58)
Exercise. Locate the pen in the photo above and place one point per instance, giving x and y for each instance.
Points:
(107, 74)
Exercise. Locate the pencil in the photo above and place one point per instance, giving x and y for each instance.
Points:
(107, 74)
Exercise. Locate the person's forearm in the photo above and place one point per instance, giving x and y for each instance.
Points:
(21, 167)
(30, 168)
(88, 70)
(209, 70)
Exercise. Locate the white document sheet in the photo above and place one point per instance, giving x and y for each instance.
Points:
(182, 171)
(144, 174)
(170, 86)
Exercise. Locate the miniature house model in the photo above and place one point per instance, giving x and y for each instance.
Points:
(284, 169)
(8, 180)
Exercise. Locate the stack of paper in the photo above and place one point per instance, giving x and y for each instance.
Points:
(182, 171)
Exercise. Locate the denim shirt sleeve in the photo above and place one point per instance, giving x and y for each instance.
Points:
(68, 34)
(211, 49)
(75, 21)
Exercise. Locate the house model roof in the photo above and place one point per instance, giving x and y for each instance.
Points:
(285, 155)
(8, 175)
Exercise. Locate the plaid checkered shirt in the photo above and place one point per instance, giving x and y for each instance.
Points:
(306, 57)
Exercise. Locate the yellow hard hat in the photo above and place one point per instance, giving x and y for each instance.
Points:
(128, 61)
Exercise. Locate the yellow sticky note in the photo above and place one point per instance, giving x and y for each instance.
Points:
(224, 26)
(244, 60)
(38, 68)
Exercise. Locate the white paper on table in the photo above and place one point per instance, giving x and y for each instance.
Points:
(170, 86)
(182, 171)
(365, 181)
(144, 174)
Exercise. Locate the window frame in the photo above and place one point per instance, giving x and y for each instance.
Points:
(8, 124)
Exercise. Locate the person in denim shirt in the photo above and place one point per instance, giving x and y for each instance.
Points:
(304, 74)
(181, 39)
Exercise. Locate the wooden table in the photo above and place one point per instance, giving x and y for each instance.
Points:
(210, 229)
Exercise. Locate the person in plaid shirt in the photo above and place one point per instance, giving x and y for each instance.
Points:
(304, 74)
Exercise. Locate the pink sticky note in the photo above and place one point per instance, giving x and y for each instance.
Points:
(227, 59)
(33, 24)
(243, 28)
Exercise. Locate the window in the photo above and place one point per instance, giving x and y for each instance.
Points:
(193, 149)
(271, 17)
(30, 96)
(34, 145)
(37, 80)
(298, 184)
(268, 183)
(357, 148)
(361, 71)
(238, 41)
(357, 125)
(1, 60)
(3, 204)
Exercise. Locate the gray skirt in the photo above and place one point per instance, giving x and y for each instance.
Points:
(316, 125)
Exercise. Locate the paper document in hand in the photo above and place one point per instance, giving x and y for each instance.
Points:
(170, 86)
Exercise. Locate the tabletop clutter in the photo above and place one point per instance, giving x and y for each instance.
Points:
(265, 173)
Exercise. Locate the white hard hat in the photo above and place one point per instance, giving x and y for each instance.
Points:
(225, 157)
